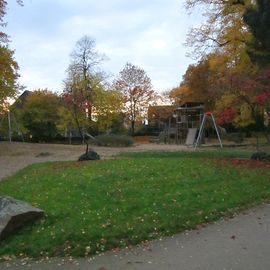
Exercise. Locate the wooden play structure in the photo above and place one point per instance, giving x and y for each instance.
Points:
(184, 123)
(187, 125)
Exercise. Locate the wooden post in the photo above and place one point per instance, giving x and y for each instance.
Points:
(9, 126)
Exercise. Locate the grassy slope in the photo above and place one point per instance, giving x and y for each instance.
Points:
(95, 206)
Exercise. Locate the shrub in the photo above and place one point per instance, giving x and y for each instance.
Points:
(237, 137)
(149, 130)
(112, 140)
(261, 156)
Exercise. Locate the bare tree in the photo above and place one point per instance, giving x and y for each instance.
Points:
(85, 58)
(137, 89)
(84, 74)
(3, 7)
(83, 79)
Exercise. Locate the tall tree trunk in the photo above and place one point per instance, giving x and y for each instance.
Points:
(78, 124)
(69, 136)
(90, 113)
(132, 127)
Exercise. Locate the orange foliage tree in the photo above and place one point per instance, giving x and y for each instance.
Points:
(137, 90)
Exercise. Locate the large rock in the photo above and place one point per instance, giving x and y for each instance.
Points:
(90, 155)
(14, 214)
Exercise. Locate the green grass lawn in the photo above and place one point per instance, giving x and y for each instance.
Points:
(96, 206)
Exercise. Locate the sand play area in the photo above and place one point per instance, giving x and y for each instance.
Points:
(15, 156)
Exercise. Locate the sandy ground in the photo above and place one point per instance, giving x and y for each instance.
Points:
(15, 156)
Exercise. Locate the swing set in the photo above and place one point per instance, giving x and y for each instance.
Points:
(10, 117)
(207, 116)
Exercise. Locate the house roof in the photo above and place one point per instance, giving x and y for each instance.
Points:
(18, 104)
(191, 106)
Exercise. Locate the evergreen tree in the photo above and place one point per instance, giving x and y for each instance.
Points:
(257, 17)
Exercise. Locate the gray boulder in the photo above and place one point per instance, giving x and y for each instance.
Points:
(89, 155)
(14, 214)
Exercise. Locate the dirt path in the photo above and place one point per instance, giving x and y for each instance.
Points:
(15, 156)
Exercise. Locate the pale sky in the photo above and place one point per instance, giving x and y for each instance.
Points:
(147, 33)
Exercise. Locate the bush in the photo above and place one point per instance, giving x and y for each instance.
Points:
(261, 156)
(112, 140)
(237, 137)
(90, 155)
(149, 130)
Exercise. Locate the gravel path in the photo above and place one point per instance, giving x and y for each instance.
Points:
(15, 156)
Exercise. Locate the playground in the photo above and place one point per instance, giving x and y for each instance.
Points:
(16, 155)
(126, 199)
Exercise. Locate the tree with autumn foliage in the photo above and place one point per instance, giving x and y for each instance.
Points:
(221, 40)
(108, 108)
(84, 78)
(66, 122)
(137, 90)
(8, 66)
(232, 46)
(223, 28)
(257, 18)
(262, 98)
(75, 102)
(204, 81)
(220, 44)
(8, 76)
(247, 104)
(178, 95)
(39, 114)
(249, 89)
